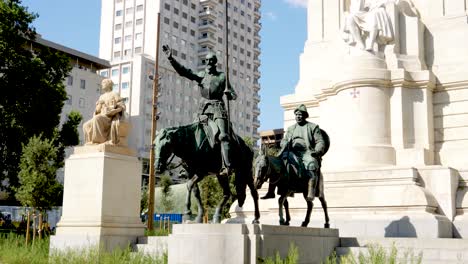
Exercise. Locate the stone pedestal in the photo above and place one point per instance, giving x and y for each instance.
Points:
(246, 243)
(101, 200)
(379, 202)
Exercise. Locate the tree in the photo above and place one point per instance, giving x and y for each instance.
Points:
(39, 187)
(32, 88)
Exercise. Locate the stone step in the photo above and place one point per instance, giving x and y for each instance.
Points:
(415, 243)
(436, 250)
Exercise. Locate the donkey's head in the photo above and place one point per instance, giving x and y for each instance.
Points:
(261, 165)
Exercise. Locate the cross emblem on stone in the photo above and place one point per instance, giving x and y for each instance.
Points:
(355, 93)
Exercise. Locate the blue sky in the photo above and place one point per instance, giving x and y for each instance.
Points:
(75, 24)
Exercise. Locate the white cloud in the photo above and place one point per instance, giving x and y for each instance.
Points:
(271, 15)
(297, 3)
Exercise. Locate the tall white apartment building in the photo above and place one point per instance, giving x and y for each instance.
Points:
(192, 28)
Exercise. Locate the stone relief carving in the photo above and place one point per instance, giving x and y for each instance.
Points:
(368, 22)
(108, 124)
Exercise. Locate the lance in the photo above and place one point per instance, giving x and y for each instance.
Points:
(151, 183)
(227, 73)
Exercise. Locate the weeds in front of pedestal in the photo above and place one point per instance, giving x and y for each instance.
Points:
(377, 255)
(14, 250)
(291, 258)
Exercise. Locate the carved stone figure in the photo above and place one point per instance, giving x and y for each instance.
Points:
(107, 125)
(367, 23)
(212, 84)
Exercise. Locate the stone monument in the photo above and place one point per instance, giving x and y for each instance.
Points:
(101, 200)
(388, 81)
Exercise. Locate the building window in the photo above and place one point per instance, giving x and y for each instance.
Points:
(193, 19)
(117, 54)
(118, 26)
(70, 80)
(176, 11)
(129, 10)
(125, 85)
(184, 29)
(115, 87)
(104, 73)
(128, 38)
(125, 70)
(184, 15)
(139, 8)
(127, 52)
(83, 84)
(118, 13)
(128, 24)
(175, 24)
(115, 72)
(138, 36)
(69, 100)
(166, 20)
(167, 6)
(117, 40)
(138, 50)
(81, 103)
(139, 21)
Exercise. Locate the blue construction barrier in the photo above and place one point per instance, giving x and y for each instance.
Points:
(176, 218)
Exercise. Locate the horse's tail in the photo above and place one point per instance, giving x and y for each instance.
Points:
(244, 171)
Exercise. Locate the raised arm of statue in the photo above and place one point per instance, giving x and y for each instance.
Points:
(181, 70)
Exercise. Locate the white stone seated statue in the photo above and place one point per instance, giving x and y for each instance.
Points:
(368, 22)
(108, 124)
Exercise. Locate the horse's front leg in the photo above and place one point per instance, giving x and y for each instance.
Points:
(254, 193)
(310, 205)
(286, 209)
(281, 201)
(224, 182)
(198, 200)
(188, 203)
(325, 211)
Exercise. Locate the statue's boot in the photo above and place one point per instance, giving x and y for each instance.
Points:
(226, 161)
(310, 190)
(271, 192)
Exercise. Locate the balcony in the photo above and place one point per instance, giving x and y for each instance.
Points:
(256, 62)
(208, 27)
(257, 74)
(256, 87)
(257, 98)
(256, 122)
(256, 110)
(208, 13)
(207, 41)
(257, 14)
(257, 38)
(258, 26)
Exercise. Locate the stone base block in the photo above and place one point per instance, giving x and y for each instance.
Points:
(247, 243)
(64, 243)
(101, 201)
(377, 202)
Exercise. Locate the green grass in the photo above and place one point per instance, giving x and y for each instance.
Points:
(291, 258)
(377, 255)
(13, 250)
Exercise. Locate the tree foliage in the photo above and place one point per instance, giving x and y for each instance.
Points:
(166, 192)
(39, 187)
(31, 81)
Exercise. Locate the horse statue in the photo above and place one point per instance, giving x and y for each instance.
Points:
(280, 172)
(200, 158)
